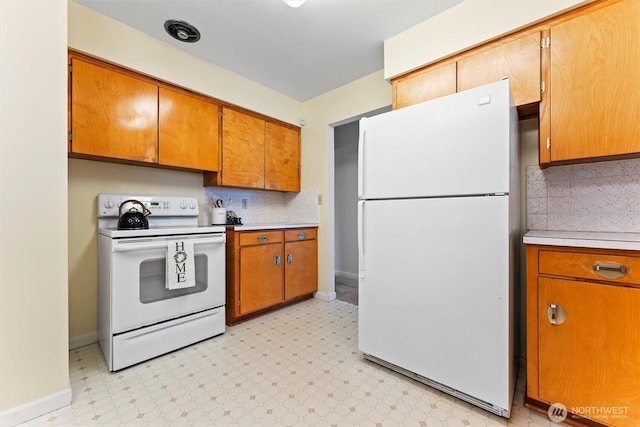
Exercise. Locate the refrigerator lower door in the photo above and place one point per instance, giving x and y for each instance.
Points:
(435, 292)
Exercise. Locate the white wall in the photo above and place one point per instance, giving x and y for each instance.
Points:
(33, 210)
(463, 26)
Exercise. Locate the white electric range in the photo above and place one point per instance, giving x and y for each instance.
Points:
(140, 316)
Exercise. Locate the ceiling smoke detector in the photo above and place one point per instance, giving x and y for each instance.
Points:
(182, 31)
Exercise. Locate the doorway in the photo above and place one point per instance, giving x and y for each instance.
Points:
(345, 207)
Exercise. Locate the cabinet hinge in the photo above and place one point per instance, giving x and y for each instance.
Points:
(220, 114)
(70, 68)
(545, 42)
(238, 303)
(542, 86)
(70, 136)
(548, 143)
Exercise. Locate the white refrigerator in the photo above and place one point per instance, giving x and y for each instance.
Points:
(438, 233)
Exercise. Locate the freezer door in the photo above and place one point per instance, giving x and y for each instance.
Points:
(434, 291)
(460, 144)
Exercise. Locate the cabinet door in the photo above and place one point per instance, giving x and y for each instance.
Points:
(282, 158)
(592, 359)
(113, 114)
(301, 270)
(424, 85)
(595, 92)
(243, 138)
(188, 131)
(261, 276)
(517, 59)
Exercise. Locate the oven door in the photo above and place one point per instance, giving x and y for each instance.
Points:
(138, 278)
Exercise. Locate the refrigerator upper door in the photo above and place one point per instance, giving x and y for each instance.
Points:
(459, 144)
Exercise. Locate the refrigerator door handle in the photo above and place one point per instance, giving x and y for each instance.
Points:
(361, 255)
(361, 137)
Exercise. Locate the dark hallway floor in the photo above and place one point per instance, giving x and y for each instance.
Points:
(347, 290)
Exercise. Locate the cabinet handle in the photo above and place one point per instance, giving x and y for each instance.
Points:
(302, 235)
(276, 260)
(610, 270)
(289, 258)
(262, 239)
(556, 314)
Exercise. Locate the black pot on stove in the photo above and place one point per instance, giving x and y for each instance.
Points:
(133, 219)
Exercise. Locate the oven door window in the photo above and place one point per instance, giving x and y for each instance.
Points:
(153, 280)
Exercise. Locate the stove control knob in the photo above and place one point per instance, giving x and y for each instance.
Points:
(183, 205)
(109, 204)
(192, 205)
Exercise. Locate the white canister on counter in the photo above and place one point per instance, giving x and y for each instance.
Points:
(218, 216)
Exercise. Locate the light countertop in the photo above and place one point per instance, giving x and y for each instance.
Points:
(277, 226)
(584, 239)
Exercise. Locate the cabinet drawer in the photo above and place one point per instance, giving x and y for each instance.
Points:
(260, 237)
(622, 269)
(300, 234)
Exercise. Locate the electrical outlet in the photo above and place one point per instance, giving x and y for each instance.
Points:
(244, 203)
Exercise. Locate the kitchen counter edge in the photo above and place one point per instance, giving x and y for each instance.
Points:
(279, 226)
(584, 239)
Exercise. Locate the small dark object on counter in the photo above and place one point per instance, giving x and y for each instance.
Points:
(232, 219)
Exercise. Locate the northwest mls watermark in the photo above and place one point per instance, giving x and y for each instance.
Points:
(558, 412)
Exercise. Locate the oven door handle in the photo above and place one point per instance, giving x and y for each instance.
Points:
(162, 244)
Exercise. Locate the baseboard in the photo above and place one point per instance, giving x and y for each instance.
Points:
(347, 275)
(325, 297)
(36, 408)
(83, 340)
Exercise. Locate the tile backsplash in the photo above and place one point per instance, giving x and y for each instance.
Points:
(268, 207)
(603, 196)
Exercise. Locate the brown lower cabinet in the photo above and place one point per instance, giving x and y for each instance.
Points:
(268, 269)
(583, 339)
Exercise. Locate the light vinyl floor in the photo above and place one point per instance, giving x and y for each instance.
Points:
(299, 366)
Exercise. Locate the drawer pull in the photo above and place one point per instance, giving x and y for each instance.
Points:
(556, 314)
(276, 260)
(262, 239)
(610, 270)
(289, 258)
(301, 235)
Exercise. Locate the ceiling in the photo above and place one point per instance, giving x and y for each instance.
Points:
(300, 52)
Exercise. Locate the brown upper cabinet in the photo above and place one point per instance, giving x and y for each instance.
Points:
(119, 115)
(189, 131)
(518, 59)
(575, 71)
(282, 158)
(113, 114)
(259, 154)
(594, 103)
(423, 85)
(242, 149)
